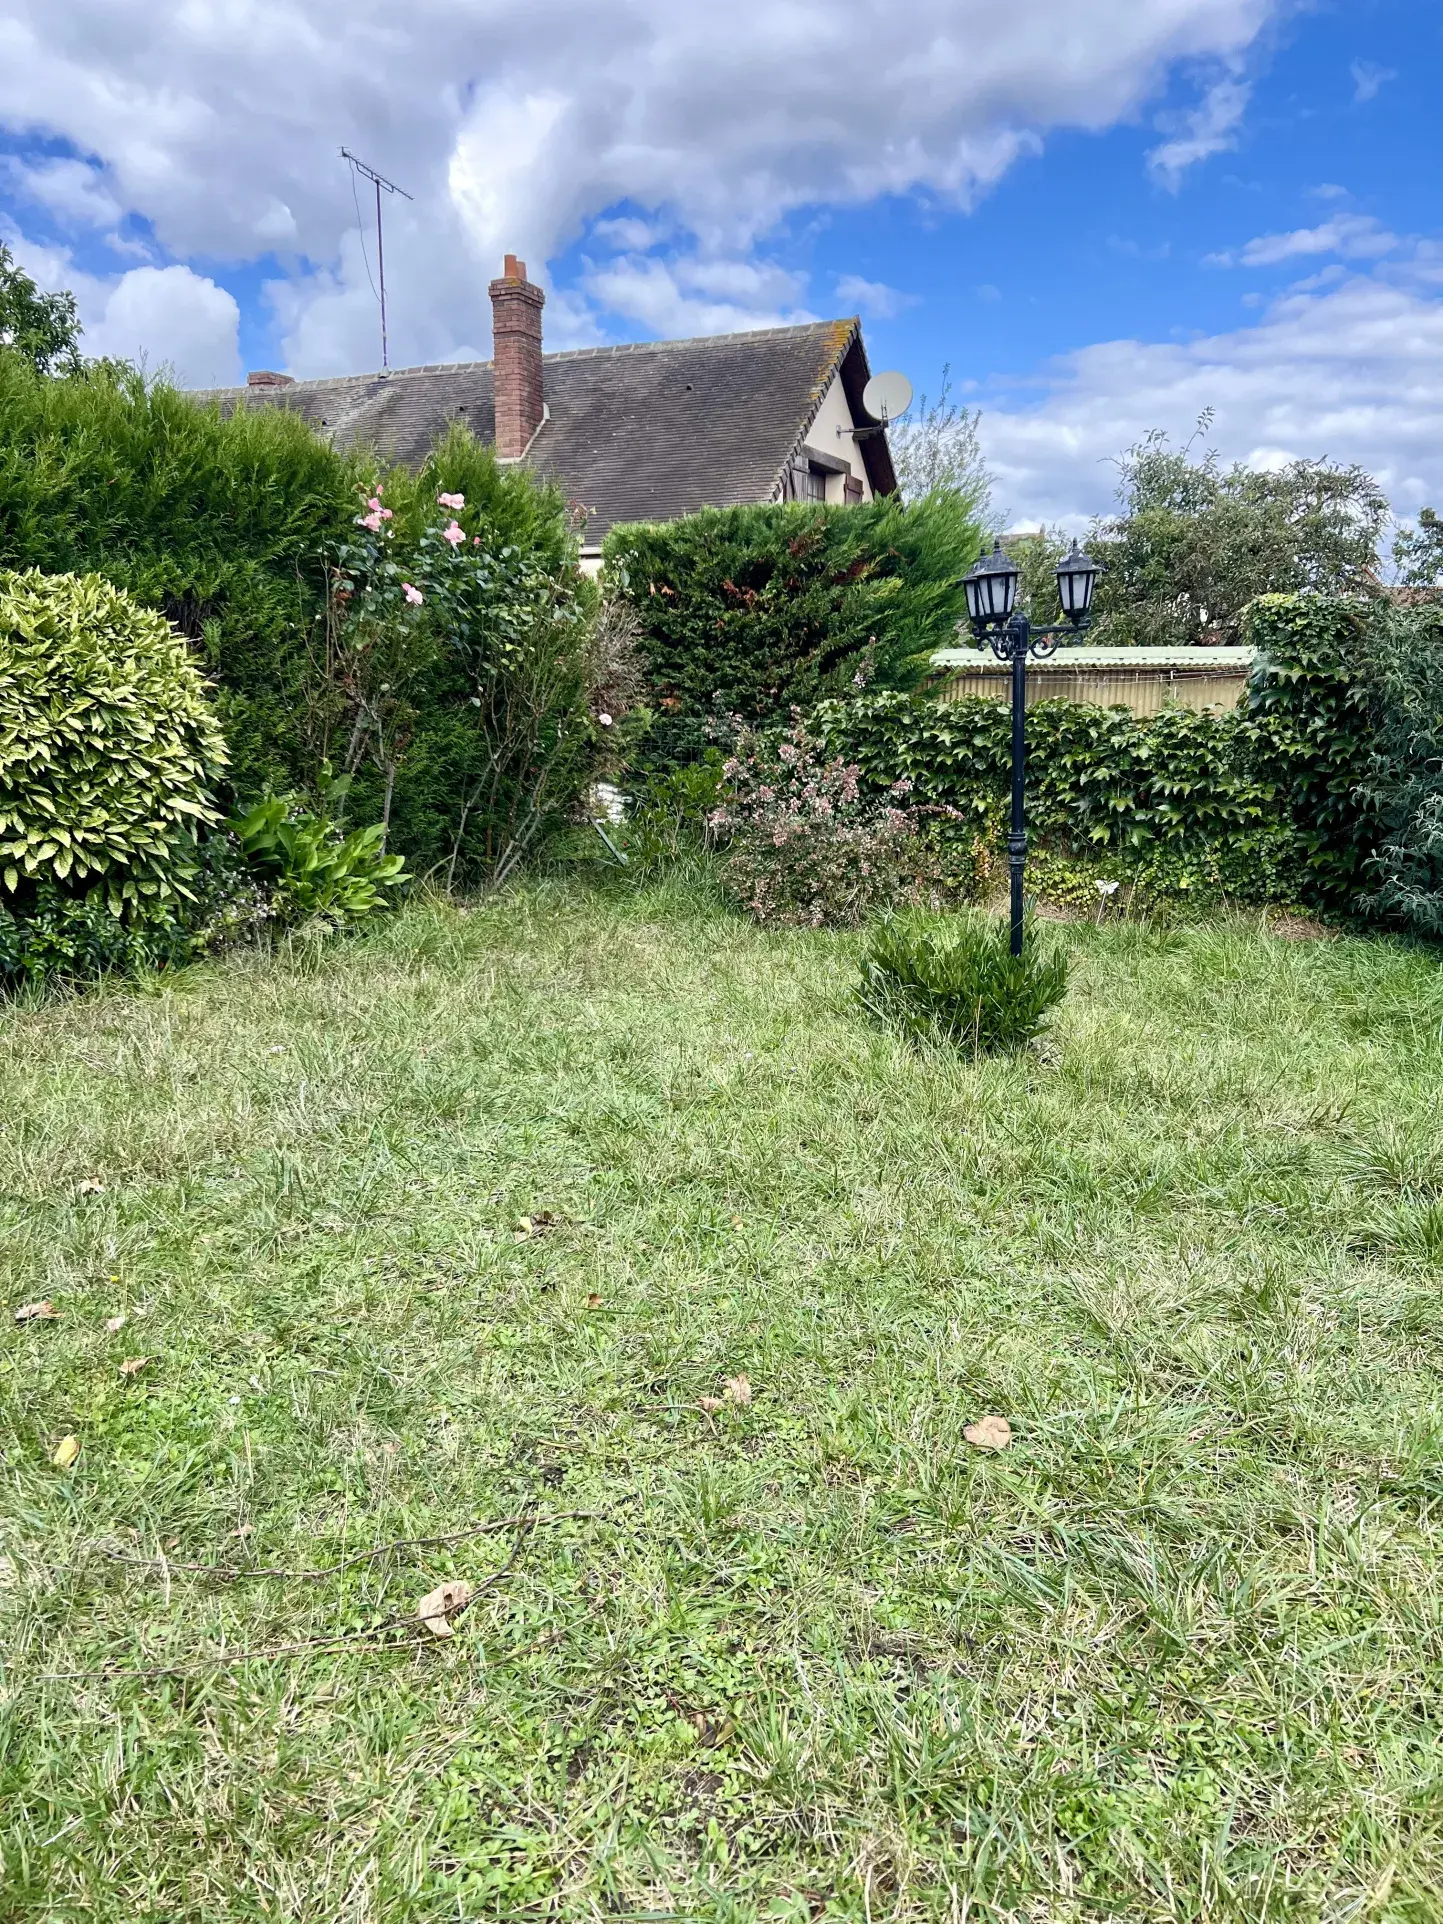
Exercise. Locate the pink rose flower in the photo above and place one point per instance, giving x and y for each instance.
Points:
(413, 595)
(457, 501)
(455, 534)
(371, 521)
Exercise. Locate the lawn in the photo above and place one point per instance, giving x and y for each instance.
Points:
(457, 1225)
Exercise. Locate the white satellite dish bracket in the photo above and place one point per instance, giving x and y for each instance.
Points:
(886, 397)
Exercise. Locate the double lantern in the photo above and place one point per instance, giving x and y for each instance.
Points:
(992, 588)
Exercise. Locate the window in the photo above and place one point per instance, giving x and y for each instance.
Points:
(812, 483)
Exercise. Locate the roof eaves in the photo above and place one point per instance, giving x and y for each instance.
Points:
(839, 337)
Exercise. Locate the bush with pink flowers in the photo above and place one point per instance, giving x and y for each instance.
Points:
(805, 845)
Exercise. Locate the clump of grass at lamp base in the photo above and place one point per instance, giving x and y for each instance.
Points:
(954, 979)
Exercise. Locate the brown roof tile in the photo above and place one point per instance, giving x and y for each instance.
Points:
(639, 433)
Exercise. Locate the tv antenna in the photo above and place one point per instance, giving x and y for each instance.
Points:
(378, 181)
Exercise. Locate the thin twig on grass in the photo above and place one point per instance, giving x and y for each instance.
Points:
(233, 1573)
(307, 1646)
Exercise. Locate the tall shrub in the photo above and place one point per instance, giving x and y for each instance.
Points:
(458, 650)
(109, 750)
(1312, 697)
(1404, 783)
(220, 525)
(751, 611)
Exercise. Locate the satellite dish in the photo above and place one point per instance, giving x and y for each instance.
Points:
(887, 397)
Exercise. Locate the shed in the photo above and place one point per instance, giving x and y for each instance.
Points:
(1146, 680)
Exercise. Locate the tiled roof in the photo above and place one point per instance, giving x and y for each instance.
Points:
(641, 433)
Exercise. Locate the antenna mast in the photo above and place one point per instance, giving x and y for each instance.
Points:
(378, 181)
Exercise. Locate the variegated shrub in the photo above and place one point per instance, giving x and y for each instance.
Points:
(109, 748)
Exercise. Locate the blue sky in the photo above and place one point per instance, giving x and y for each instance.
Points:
(1104, 214)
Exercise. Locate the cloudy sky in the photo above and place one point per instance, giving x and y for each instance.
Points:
(1105, 215)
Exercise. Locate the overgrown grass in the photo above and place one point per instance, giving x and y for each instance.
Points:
(1175, 1655)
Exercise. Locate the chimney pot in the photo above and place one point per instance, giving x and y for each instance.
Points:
(516, 331)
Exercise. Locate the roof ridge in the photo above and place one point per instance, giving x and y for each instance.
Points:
(561, 354)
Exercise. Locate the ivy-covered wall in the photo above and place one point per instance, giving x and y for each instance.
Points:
(1264, 804)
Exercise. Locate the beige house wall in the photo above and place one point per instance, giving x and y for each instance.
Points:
(822, 436)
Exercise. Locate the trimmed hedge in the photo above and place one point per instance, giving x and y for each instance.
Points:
(226, 528)
(220, 525)
(749, 612)
(108, 745)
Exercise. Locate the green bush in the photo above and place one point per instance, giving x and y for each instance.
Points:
(954, 979)
(220, 525)
(108, 745)
(1404, 784)
(70, 938)
(233, 529)
(1313, 699)
(748, 612)
(462, 648)
(312, 871)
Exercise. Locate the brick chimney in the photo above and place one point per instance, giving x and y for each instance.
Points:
(516, 328)
(264, 377)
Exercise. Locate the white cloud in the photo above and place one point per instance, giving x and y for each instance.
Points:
(1350, 236)
(172, 318)
(72, 190)
(874, 299)
(515, 123)
(1210, 128)
(1369, 79)
(682, 298)
(1349, 373)
(165, 318)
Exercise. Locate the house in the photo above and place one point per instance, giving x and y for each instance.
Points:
(640, 433)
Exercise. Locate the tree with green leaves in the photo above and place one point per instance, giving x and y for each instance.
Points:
(44, 328)
(1194, 542)
(1418, 552)
(938, 447)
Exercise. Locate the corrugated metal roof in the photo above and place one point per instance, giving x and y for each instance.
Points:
(1144, 660)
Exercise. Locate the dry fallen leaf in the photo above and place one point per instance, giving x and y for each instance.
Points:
(992, 1433)
(133, 1365)
(65, 1452)
(92, 1186)
(528, 1227)
(36, 1313)
(711, 1404)
(593, 1301)
(115, 1324)
(438, 1606)
(736, 1389)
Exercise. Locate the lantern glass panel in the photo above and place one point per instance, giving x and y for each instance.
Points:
(975, 607)
(1076, 579)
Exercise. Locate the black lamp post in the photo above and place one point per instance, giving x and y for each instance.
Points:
(992, 610)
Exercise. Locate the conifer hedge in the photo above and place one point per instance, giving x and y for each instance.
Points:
(748, 612)
(219, 525)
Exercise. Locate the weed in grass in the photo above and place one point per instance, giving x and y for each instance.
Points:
(953, 979)
(1172, 1655)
